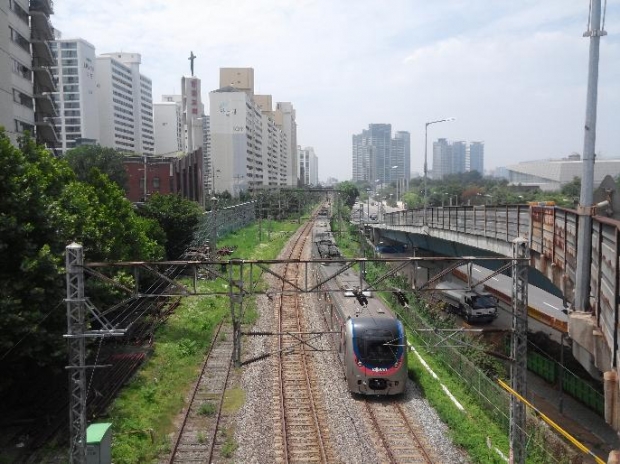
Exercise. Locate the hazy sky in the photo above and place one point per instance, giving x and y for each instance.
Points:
(512, 72)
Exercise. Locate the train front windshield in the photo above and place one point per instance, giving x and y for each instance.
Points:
(378, 348)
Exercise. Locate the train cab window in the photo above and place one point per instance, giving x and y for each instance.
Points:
(377, 348)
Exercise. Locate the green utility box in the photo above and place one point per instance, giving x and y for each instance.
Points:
(99, 444)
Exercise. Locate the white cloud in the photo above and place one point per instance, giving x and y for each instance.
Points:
(513, 73)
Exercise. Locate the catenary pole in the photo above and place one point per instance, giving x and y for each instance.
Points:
(585, 210)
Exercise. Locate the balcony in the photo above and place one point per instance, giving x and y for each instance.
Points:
(44, 6)
(43, 78)
(46, 130)
(41, 25)
(44, 104)
(41, 51)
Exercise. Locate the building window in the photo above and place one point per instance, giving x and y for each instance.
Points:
(21, 126)
(22, 99)
(20, 39)
(21, 70)
(19, 11)
(68, 45)
(156, 183)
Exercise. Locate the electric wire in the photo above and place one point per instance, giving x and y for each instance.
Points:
(32, 329)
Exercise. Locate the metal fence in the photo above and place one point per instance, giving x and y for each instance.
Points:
(223, 221)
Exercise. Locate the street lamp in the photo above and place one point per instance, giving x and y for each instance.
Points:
(426, 158)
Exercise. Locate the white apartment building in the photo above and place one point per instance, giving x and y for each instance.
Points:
(308, 166)
(276, 162)
(125, 99)
(265, 139)
(76, 99)
(25, 77)
(285, 119)
(168, 123)
(236, 140)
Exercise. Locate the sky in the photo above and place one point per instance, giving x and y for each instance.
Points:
(513, 74)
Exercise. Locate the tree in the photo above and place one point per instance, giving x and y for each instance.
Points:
(573, 188)
(108, 160)
(349, 191)
(31, 256)
(44, 207)
(413, 200)
(178, 218)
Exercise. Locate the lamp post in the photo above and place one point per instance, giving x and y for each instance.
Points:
(397, 185)
(426, 158)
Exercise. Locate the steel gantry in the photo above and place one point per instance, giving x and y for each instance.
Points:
(241, 277)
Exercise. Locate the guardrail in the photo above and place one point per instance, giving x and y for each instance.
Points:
(553, 237)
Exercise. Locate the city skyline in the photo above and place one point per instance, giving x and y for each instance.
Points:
(520, 86)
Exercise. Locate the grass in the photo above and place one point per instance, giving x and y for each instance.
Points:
(207, 409)
(143, 413)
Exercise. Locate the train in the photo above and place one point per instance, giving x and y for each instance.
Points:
(471, 304)
(371, 341)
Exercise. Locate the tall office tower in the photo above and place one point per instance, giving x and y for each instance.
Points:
(401, 157)
(192, 111)
(26, 80)
(236, 140)
(168, 118)
(125, 100)
(76, 99)
(476, 157)
(459, 157)
(442, 159)
(285, 119)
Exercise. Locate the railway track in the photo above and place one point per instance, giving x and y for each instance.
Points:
(301, 430)
(199, 436)
(400, 439)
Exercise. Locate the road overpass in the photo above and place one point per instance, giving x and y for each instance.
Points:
(553, 238)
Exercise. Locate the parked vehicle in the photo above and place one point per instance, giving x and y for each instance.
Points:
(471, 304)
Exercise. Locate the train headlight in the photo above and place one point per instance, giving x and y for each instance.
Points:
(359, 363)
(396, 364)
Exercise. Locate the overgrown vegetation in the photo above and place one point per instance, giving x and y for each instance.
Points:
(144, 412)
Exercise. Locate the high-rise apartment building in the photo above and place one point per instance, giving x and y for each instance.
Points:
(442, 159)
(457, 157)
(76, 99)
(236, 140)
(308, 166)
(377, 158)
(285, 118)
(168, 122)
(239, 118)
(125, 99)
(26, 80)
(400, 169)
(476, 157)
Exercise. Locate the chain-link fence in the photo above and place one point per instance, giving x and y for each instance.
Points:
(223, 221)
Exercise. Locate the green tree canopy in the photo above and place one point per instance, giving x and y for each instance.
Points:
(349, 191)
(178, 218)
(43, 208)
(108, 160)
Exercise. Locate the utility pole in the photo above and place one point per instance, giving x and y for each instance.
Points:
(585, 210)
(520, 265)
(76, 336)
